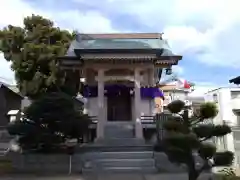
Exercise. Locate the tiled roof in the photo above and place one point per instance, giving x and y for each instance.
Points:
(12, 88)
(123, 36)
(3, 84)
(119, 41)
(235, 80)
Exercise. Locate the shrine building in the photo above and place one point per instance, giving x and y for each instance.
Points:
(121, 74)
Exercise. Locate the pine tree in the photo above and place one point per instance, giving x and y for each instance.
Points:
(32, 51)
(187, 138)
(50, 121)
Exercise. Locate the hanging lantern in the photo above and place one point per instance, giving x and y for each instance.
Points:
(169, 71)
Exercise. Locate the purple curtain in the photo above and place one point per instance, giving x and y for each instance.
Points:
(113, 90)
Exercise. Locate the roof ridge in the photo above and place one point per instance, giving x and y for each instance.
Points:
(122, 35)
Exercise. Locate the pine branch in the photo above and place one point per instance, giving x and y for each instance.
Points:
(185, 136)
(197, 120)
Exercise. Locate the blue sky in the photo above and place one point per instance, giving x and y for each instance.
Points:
(205, 32)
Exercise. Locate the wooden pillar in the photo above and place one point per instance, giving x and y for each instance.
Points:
(151, 83)
(101, 120)
(137, 103)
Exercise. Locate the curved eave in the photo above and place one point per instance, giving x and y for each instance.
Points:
(173, 57)
(73, 58)
(136, 58)
(70, 62)
(79, 52)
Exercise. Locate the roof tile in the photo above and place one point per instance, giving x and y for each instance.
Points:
(124, 36)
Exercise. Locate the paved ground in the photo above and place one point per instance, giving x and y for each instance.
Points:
(107, 177)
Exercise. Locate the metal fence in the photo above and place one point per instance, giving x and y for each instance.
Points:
(160, 119)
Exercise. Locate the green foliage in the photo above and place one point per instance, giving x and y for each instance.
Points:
(32, 51)
(50, 121)
(227, 174)
(188, 136)
(176, 106)
(208, 110)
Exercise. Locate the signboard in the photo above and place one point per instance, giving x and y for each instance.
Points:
(158, 104)
(158, 100)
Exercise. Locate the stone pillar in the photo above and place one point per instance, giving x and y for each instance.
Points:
(83, 80)
(151, 82)
(137, 103)
(101, 120)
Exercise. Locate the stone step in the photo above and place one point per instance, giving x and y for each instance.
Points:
(3, 148)
(5, 136)
(125, 170)
(119, 130)
(137, 163)
(120, 142)
(122, 162)
(120, 155)
(117, 133)
(106, 148)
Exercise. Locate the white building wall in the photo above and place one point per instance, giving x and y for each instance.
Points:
(214, 97)
(224, 99)
(226, 106)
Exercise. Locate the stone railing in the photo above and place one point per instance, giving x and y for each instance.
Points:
(94, 120)
(45, 163)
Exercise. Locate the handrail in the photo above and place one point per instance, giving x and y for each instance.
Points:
(147, 119)
(94, 119)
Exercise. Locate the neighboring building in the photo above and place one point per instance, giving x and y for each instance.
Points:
(176, 89)
(120, 72)
(228, 102)
(9, 100)
(235, 80)
(196, 102)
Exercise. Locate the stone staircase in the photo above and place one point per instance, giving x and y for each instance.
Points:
(119, 130)
(5, 139)
(120, 162)
(119, 152)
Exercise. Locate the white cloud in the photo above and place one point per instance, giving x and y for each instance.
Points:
(203, 87)
(208, 30)
(6, 74)
(13, 12)
(179, 70)
(201, 90)
(92, 21)
(217, 43)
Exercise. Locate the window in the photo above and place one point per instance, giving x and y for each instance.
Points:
(235, 94)
(238, 120)
(215, 98)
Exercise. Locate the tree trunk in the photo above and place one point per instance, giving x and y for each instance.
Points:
(192, 174)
